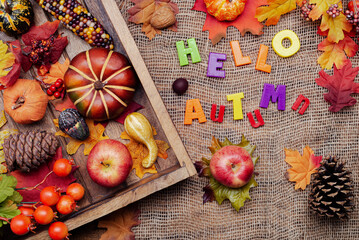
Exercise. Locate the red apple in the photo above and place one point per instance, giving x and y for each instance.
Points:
(109, 163)
(232, 166)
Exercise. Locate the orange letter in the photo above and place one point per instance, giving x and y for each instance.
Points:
(239, 60)
(262, 58)
(194, 110)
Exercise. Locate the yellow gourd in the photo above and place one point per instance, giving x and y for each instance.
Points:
(139, 129)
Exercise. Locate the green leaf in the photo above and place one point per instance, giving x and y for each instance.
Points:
(15, 197)
(7, 185)
(8, 209)
(237, 196)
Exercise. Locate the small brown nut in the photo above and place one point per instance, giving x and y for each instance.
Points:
(163, 17)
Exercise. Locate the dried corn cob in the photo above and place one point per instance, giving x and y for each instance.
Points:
(76, 18)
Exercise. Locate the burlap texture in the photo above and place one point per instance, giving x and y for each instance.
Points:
(276, 210)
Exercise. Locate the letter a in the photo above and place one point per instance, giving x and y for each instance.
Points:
(194, 110)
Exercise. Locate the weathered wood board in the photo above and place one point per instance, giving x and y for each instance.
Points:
(99, 201)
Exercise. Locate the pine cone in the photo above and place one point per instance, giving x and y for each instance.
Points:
(27, 150)
(332, 191)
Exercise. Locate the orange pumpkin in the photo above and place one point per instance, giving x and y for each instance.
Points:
(225, 10)
(25, 101)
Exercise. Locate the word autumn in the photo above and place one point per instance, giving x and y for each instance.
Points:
(194, 109)
(214, 68)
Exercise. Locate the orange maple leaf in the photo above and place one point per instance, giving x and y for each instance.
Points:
(275, 9)
(142, 13)
(139, 151)
(120, 223)
(246, 22)
(96, 135)
(302, 166)
(336, 53)
(336, 27)
(57, 71)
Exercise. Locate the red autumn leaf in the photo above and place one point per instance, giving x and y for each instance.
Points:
(246, 22)
(61, 105)
(340, 85)
(41, 32)
(59, 45)
(34, 177)
(13, 75)
(132, 107)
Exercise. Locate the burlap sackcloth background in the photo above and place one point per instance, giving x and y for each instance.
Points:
(276, 210)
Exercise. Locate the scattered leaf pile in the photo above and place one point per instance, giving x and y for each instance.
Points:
(119, 224)
(9, 198)
(246, 22)
(29, 180)
(3, 135)
(340, 86)
(302, 166)
(96, 135)
(139, 151)
(145, 12)
(215, 190)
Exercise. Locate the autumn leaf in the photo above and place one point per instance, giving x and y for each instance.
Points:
(320, 8)
(28, 180)
(139, 151)
(246, 22)
(336, 26)
(302, 166)
(274, 10)
(142, 13)
(7, 59)
(96, 135)
(11, 77)
(336, 53)
(119, 224)
(56, 71)
(62, 104)
(340, 86)
(217, 191)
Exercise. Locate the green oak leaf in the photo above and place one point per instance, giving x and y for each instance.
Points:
(7, 185)
(237, 196)
(217, 191)
(15, 197)
(8, 209)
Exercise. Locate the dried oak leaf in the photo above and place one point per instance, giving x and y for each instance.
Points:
(143, 11)
(139, 151)
(96, 135)
(217, 191)
(336, 53)
(275, 9)
(28, 180)
(246, 22)
(13, 75)
(7, 59)
(340, 85)
(44, 32)
(302, 166)
(119, 224)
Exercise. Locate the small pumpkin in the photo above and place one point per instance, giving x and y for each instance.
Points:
(225, 10)
(73, 124)
(101, 83)
(16, 16)
(25, 101)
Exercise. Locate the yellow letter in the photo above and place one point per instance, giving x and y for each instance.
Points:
(237, 105)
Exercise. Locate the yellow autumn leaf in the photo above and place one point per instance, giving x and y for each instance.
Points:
(96, 135)
(321, 7)
(57, 71)
(302, 166)
(274, 10)
(335, 26)
(7, 59)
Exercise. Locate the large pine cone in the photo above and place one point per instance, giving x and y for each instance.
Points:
(332, 190)
(27, 150)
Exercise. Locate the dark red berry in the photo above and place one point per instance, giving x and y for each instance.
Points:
(49, 92)
(180, 86)
(57, 94)
(59, 81)
(58, 85)
(59, 89)
(53, 88)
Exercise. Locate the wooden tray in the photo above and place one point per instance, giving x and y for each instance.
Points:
(99, 201)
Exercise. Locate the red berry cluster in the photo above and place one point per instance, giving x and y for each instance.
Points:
(40, 50)
(305, 10)
(56, 89)
(334, 11)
